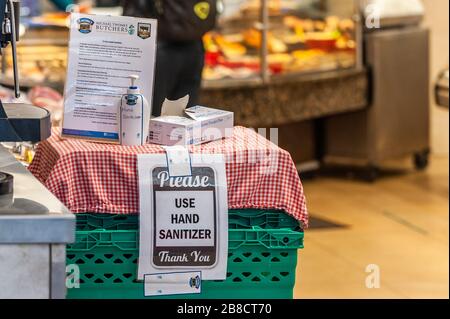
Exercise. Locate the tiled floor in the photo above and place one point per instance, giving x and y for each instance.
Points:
(400, 224)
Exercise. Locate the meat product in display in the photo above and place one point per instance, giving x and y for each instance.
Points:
(49, 99)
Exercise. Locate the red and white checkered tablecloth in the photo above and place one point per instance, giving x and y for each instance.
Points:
(102, 178)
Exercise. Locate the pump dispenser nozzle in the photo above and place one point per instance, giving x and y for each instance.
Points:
(133, 79)
(133, 89)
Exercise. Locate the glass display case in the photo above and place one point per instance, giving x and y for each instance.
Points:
(255, 42)
(42, 56)
(258, 41)
(42, 46)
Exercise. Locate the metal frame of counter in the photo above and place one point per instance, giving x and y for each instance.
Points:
(34, 232)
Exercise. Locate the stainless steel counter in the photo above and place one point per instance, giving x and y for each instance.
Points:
(34, 230)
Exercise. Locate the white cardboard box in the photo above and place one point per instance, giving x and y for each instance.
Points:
(198, 125)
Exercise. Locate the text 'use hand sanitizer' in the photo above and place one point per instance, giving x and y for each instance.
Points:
(134, 116)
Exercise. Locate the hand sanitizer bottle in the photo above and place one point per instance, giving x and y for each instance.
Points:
(134, 116)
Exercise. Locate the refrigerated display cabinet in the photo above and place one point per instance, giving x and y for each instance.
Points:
(260, 41)
(41, 52)
(286, 63)
(255, 42)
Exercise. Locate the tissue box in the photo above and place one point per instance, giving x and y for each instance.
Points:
(199, 125)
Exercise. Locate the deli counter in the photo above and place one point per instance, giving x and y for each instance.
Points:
(257, 44)
(290, 64)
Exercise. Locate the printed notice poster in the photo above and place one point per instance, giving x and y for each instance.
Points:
(103, 52)
(183, 220)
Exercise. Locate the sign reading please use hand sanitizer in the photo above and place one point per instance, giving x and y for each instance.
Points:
(183, 219)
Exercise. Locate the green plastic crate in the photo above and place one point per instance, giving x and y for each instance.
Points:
(262, 257)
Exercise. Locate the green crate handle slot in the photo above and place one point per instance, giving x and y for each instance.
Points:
(128, 240)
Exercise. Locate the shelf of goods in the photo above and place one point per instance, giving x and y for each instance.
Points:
(263, 40)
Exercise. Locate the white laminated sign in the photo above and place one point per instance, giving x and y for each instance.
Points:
(103, 52)
(183, 219)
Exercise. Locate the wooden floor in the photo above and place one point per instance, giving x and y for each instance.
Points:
(400, 224)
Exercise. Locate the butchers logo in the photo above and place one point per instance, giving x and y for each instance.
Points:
(144, 30)
(85, 25)
(114, 27)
